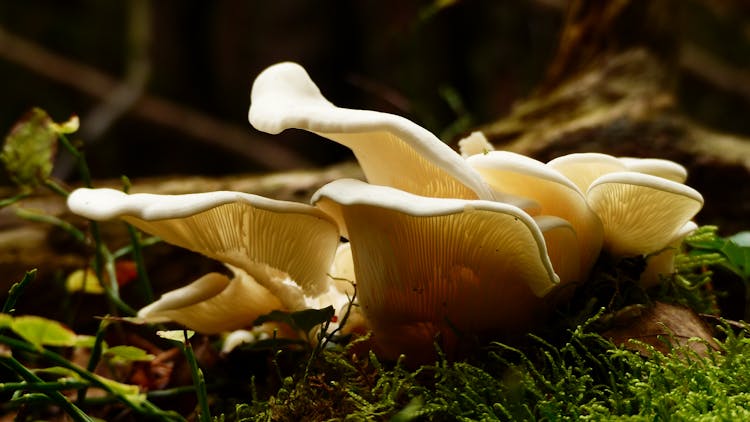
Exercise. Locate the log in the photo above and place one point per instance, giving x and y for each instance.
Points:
(611, 89)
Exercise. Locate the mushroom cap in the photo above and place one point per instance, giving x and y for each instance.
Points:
(641, 213)
(392, 150)
(475, 143)
(656, 167)
(583, 168)
(424, 264)
(556, 195)
(213, 304)
(270, 240)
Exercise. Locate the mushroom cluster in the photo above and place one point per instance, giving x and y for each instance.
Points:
(438, 243)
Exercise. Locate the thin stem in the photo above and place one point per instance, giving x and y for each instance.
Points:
(144, 284)
(142, 406)
(42, 386)
(16, 291)
(72, 410)
(128, 249)
(171, 392)
(56, 188)
(96, 354)
(198, 380)
(83, 167)
(13, 199)
(85, 173)
(52, 220)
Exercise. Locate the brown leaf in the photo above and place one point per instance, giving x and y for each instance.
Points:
(664, 327)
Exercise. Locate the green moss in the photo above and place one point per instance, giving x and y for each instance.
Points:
(584, 378)
(566, 372)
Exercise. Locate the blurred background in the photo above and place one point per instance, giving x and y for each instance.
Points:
(162, 88)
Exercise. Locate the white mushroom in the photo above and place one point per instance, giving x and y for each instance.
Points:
(583, 168)
(661, 263)
(656, 167)
(392, 150)
(214, 304)
(277, 249)
(556, 195)
(437, 244)
(431, 265)
(475, 143)
(641, 213)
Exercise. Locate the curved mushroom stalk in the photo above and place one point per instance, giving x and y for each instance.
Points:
(556, 195)
(558, 236)
(428, 266)
(214, 303)
(661, 264)
(641, 213)
(270, 240)
(342, 270)
(392, 150)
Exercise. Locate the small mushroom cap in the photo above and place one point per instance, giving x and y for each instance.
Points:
(641, 213)
(213, 304)
(583, 168)
(266, 238)
(656, 167)
(475, 143)
(556, 195)
(392, 150)
(420, 261)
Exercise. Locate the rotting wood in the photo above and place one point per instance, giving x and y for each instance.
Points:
(611, 89)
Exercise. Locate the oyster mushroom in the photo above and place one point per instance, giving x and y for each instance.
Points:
(439, 265)
(642, 204)
(437, 244)
(280, 252)
(556, 195)
(661, 263)
(391, 150)
(641, 213)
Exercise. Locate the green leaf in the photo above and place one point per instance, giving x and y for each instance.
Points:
(67, 127)
(175, 335)
(42, 331)
(741, 238)
(131, 393)
(30, 148)
(304, 320)
(128, 353)
(736, 250)
(85, 341)
(738, 258)
(6, 320)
